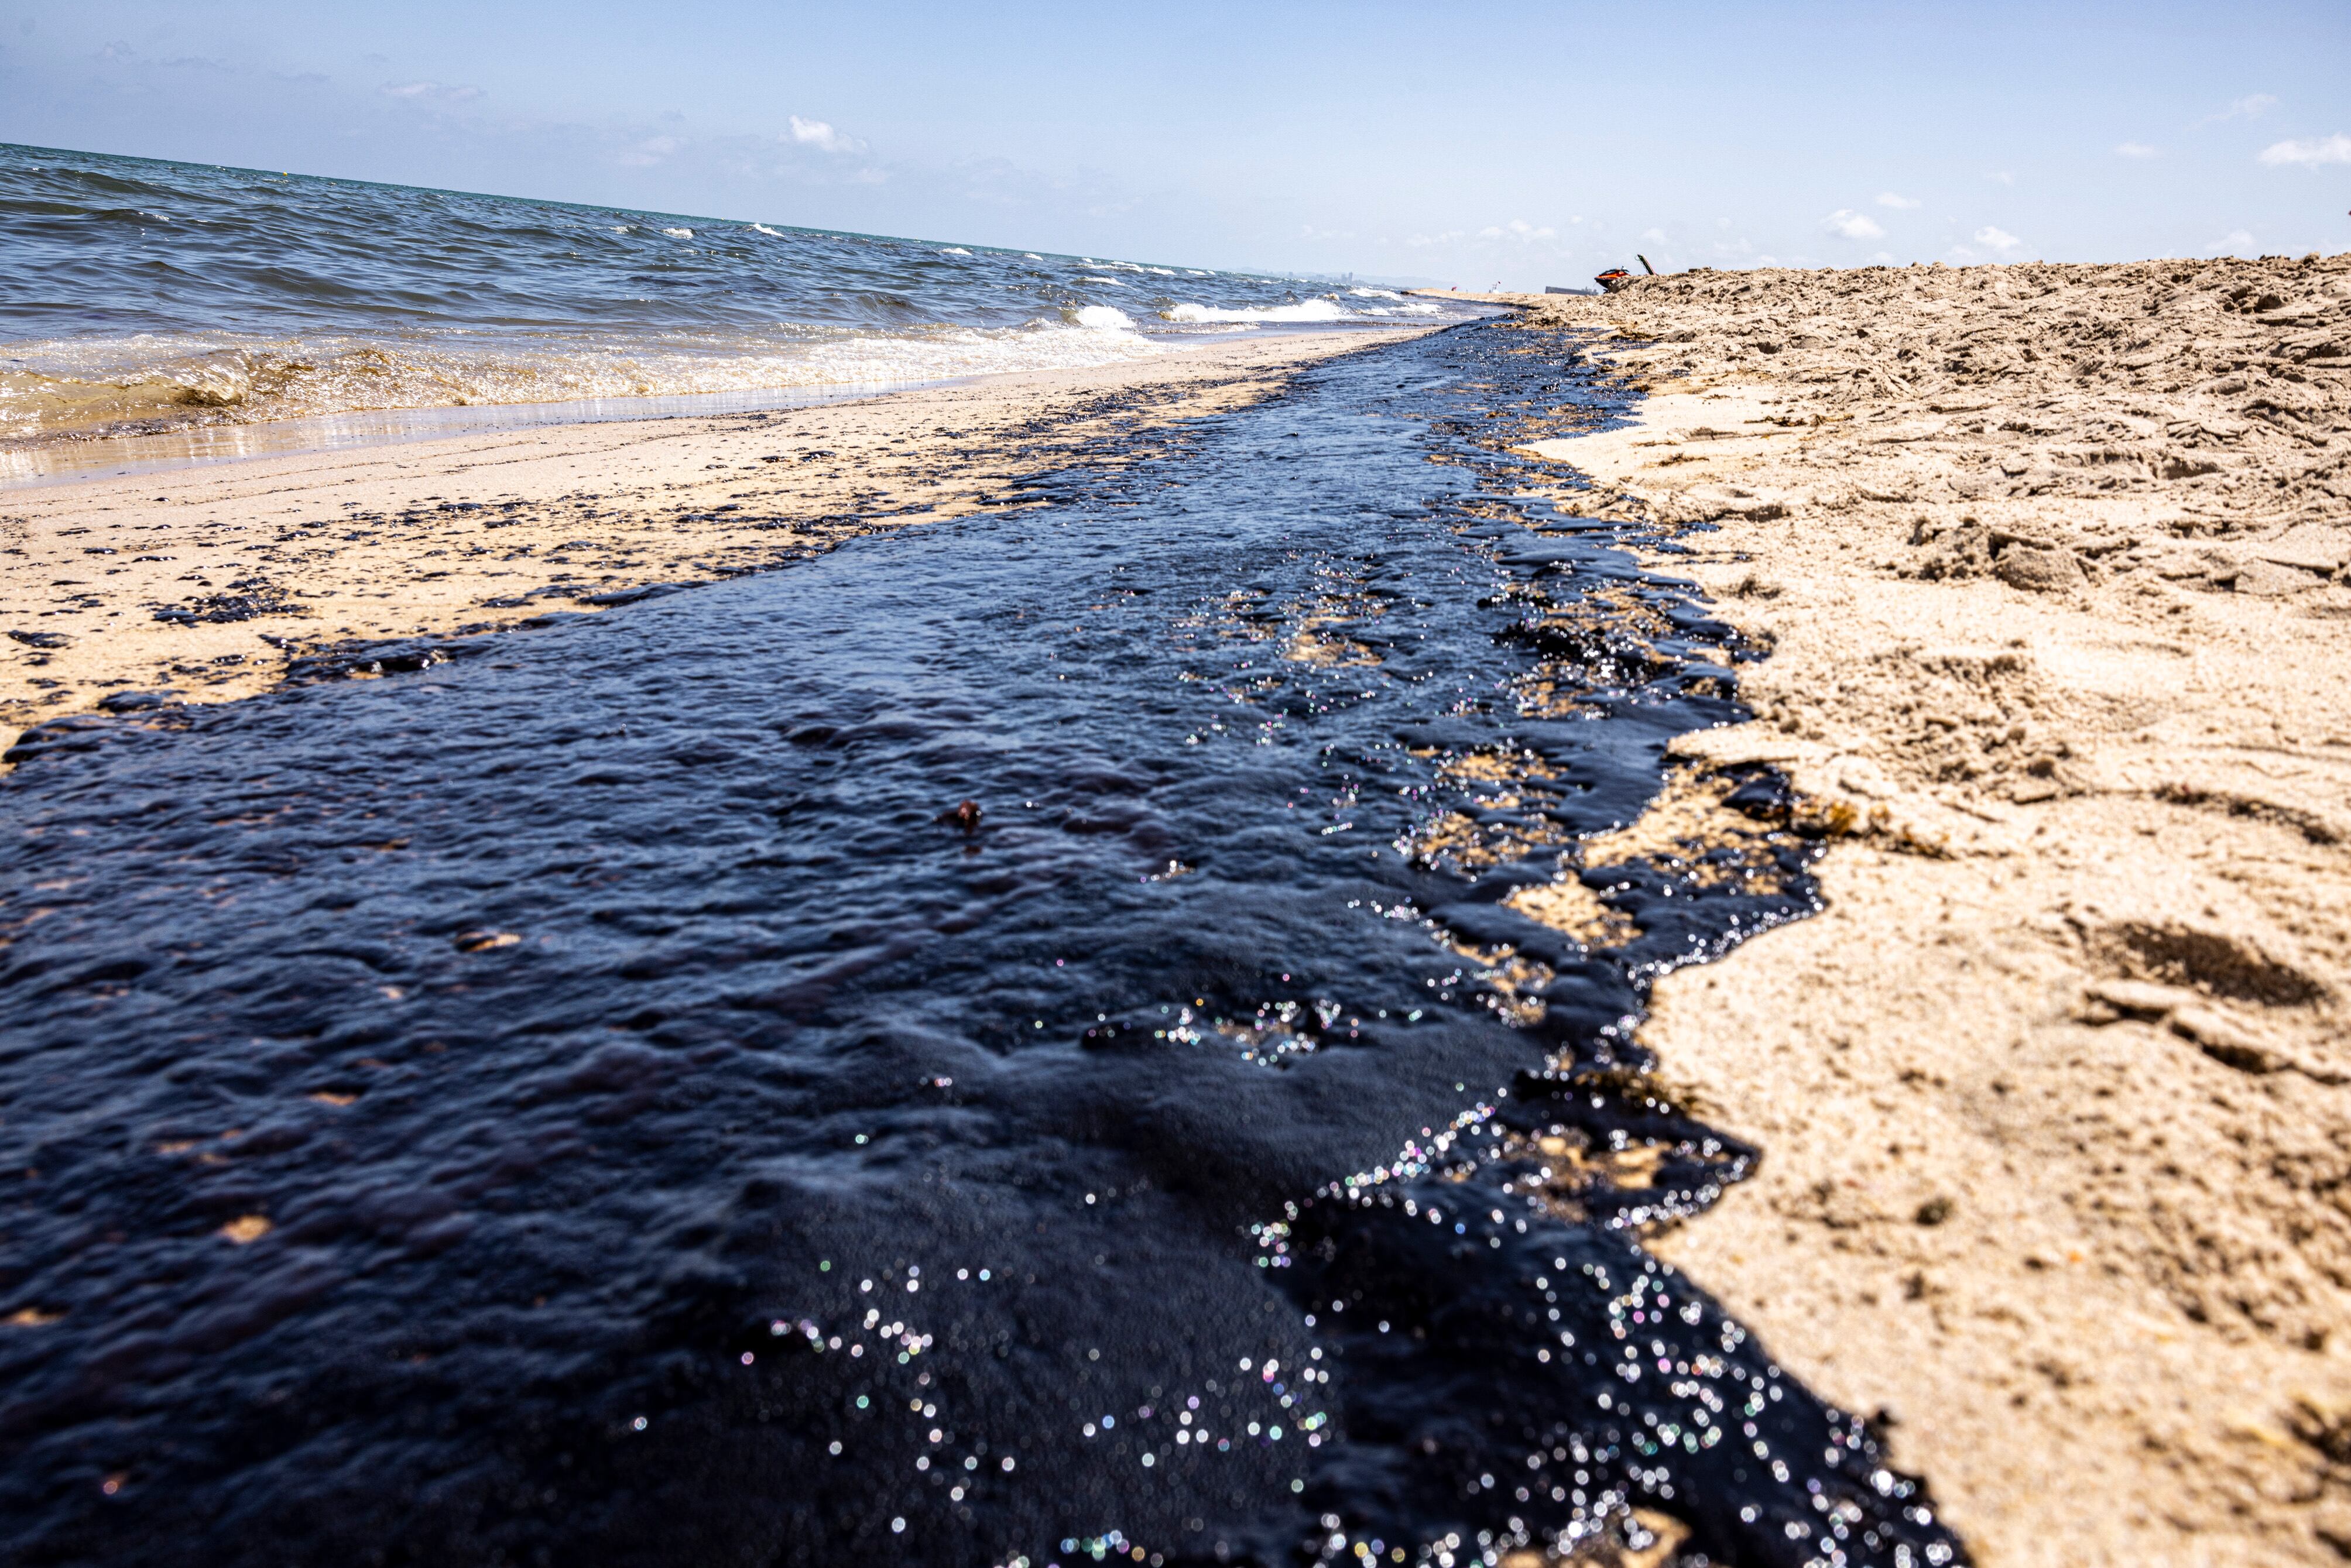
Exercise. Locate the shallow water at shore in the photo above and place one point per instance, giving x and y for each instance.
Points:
(596, 1094)
(30, 464)
(164, 296)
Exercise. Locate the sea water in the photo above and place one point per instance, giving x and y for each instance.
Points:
(148, 296)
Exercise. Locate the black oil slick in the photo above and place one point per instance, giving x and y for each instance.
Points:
(580, 1101)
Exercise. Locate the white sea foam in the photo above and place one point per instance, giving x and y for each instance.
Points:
(765, 230)
(1305, 310)
(1375, 293)
(953, 250)
(1104, 318)
(679, 233)
(1111, 282)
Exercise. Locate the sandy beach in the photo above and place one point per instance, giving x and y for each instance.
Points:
(2052, 561)
(214, 582)
(2051, 565)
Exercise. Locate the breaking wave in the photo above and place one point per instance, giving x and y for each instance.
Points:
(235, 383)
(1305, 312)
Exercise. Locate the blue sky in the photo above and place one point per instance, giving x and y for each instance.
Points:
(1471, 143)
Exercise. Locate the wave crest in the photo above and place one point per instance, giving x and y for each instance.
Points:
(1103, 319)
(1305, 310)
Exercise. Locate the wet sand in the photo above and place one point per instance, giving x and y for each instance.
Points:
(214, 582)
(2054, 1095)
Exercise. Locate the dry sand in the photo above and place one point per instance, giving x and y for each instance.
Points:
(2054, 1095)
(214, 580)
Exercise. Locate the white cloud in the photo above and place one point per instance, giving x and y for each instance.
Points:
(1853, 224)
(2309, 154)
(645, 155)
(431, 89)
(1901, 203)
(2000, 240)
(818, 134)
(1518, 229)
(2236, 243)
(2133, 150)
(2003, 176)
(2248, 108)
(1657, 234)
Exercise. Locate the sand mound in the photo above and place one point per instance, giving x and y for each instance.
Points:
(2053, 1098)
